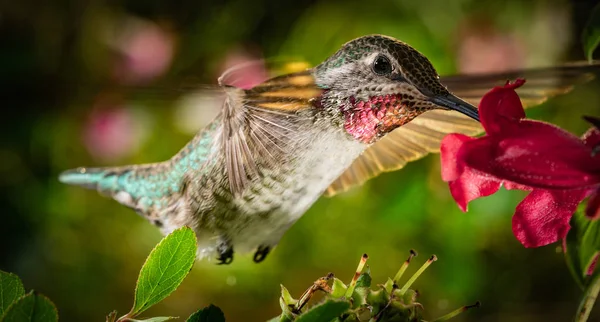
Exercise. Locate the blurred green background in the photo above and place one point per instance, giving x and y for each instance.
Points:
(99, 83)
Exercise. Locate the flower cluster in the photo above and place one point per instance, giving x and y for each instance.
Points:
(558, 168)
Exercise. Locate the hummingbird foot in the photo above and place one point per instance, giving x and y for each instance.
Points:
(261, 253)
(225, 250)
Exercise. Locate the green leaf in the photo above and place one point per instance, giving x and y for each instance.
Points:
(590, 244)
(286, 311)
(583, 244)
(326, 311)
(364, 280)
(210, 313)
(11, 289)
(287, 297)
(275, 319)
(591, 33)
(378, 299)
(409, 297)
(165, 268)
(572, 253)
(156, 319)
(359, 297)
(338, 289)
(33, 308)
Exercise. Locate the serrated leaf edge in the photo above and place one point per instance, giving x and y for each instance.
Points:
(22, 287)
(31, 293)
(162, 241)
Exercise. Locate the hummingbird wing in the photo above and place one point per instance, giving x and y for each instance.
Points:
(542, 83)
(260, 125)
(423, 135)
(146, 186)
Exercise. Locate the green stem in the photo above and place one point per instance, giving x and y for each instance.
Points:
(589, 298)
(456, 312)
(361, 265)
(112, 317)
(127, 317)
(404, 266)
(404, 288)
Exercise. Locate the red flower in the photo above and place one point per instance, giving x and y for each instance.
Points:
(558, 168)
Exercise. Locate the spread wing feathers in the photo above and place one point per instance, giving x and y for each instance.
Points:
(261, 127)
(542, 83)
(239, 161)
(423, 135)
(250, 73)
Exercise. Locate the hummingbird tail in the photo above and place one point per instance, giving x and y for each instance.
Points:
(88, 178)
(107, 181)
(126, 184)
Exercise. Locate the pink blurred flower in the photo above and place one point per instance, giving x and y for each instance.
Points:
(558, 168)
(144, 51)
(111, 132)
(484, 49)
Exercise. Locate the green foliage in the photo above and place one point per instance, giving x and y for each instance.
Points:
(326, 311)
(356, 301)
(591, 33)
(31, 307)
(364, 280)
(17, 307)
(166, 267)
(338, 288)
(156, 319)
(210, 313)
(11, 289)
(164, 270)
(589, 298)
(583, 245)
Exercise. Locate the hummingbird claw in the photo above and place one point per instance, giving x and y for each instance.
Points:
(225, 260)
(261, 253)
(225, 251)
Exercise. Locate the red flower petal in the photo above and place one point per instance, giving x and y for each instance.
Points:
(591, 138)
(543, 216)
(472, 185)
(501, 106)
(535, 154)
(515, 186)
(466, 184)
(592, 209)
(524, 154)
(452, 164)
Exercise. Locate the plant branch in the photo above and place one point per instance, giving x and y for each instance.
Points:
(589, 298)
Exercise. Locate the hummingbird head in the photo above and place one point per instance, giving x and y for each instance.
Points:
(381, 83)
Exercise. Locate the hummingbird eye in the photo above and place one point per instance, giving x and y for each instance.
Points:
(382, 66)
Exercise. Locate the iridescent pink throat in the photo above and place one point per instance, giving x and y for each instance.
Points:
(368, 120)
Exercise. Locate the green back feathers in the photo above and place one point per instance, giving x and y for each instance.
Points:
(147, 186)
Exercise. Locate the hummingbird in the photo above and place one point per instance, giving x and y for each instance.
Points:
(274, 149)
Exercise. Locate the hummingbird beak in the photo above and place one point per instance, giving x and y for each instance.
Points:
(456, 104)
